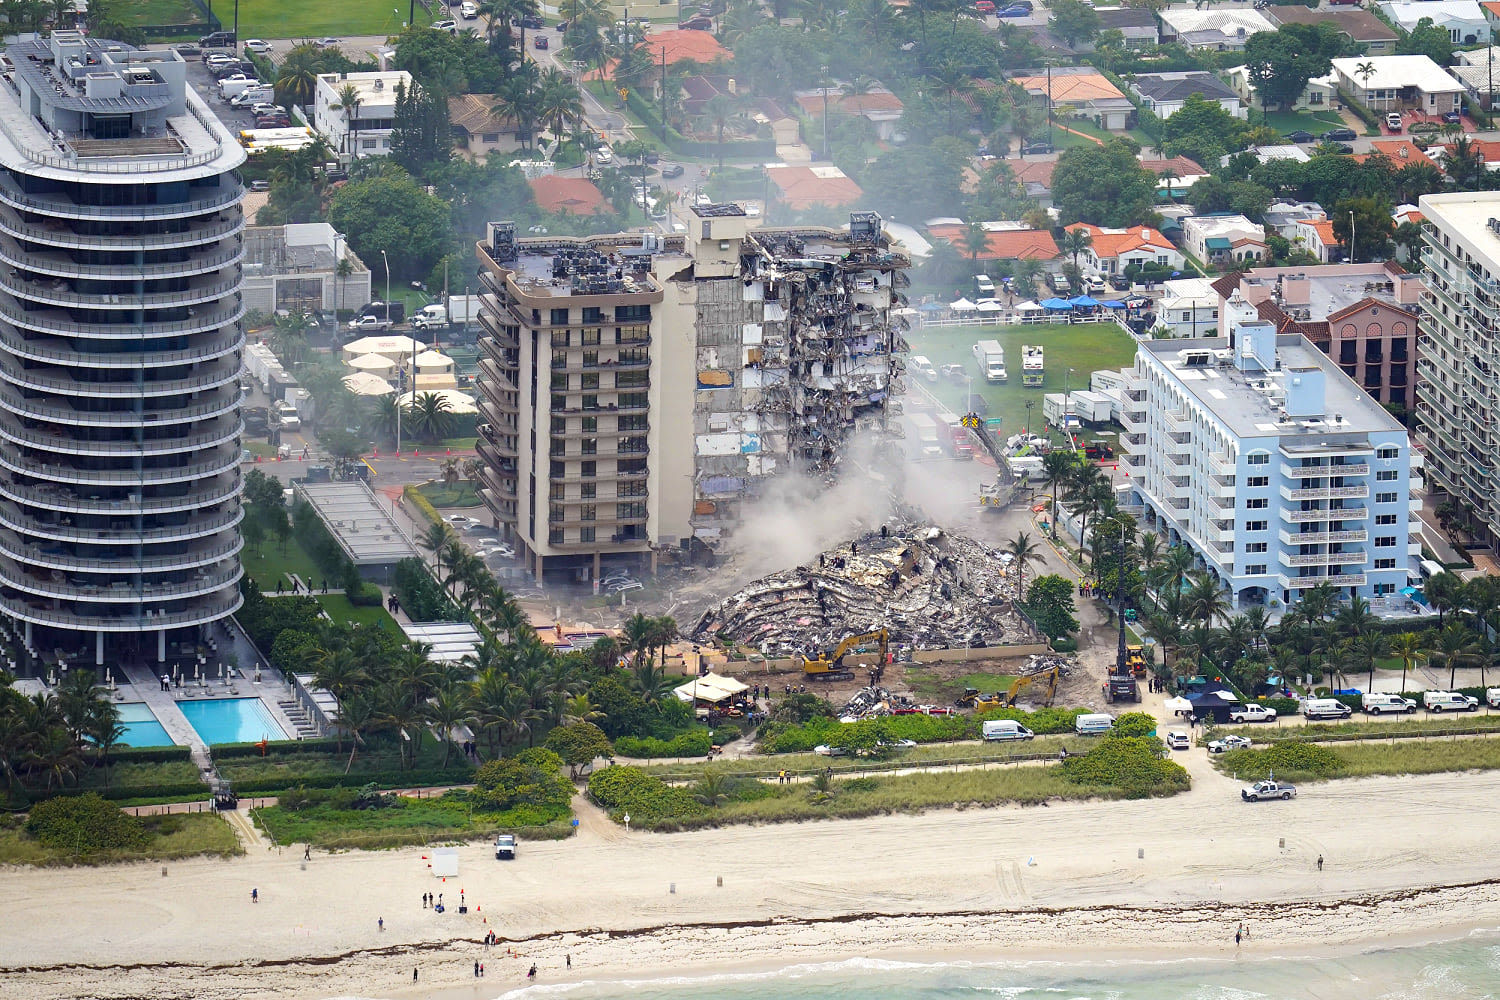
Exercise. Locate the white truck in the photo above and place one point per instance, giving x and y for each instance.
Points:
(459, 310)
(927, 445)
(1032, 366)
(430, 317)
(1028, 467)
(1377, 703)
(1252, 713)
(1492, 697)
(1449, 701)
(369, 324)
(991, 358)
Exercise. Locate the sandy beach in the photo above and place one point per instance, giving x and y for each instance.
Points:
(1405, 858)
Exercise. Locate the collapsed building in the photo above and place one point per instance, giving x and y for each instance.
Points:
(638, 390)
(930, 589)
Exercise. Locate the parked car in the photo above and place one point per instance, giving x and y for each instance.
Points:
(263, 110)
(540, 42)
(984, 6)
(830, 751)
(1252, 713)
(1229, 743)
(1268, 789)
(1014, 10)
(261, 185)
(603, 155)
(1300, 136)
(1179, 741)
(532, 22)
(257, 45)
(698, 22)
(1338, 135)
(1035, 146)
(953, 373)
(187, 49)
(444, 25)
(469, 11)
(672, 170)
(327, 43)
(505, 847)
(459, 519)
(1452, 118)
(919, 365)
(651, 156)
(273, 121)
(217, 39)
(1393, 121)
(1119, 282)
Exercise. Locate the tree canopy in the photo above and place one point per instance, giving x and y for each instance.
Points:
(390, 211)
(1282, 61)
(1104, 185)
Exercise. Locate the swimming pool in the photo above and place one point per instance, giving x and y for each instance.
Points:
(141, 727)
(232, 720)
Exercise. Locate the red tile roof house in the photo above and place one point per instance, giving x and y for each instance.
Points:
(568, 195)
(1002, 244)
(800, 188)
(879, 107)
(1113, 250)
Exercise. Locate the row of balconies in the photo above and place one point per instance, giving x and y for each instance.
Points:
(58, 321)
(1308, 582)
(222, 460)
(61, 527)
(124, 566)
(211, 375)
(227, 196)
(1292, 470)
(1321, 558)
(1333, 514)
(141, 617)
(55, 583)
(59, 408)
(1321, 537)
(55, 439)
(49, 348)
(59, 235)
(58, 292)
(53, 497)
(1326, 493)
(62, 264)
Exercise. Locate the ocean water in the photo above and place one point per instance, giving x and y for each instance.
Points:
(1459, 970)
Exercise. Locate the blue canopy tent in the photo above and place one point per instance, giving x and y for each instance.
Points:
(1084, 300)
(1059, 304)
(1113, 304)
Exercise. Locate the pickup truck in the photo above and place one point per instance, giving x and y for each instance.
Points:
(369, 323)
(505, 847)
(1252, 713)
(1268, 789)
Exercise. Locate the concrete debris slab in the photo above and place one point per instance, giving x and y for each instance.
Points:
(931, 588)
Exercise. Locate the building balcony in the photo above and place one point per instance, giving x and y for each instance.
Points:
(1326, 493)
(58, 292)
(604, 545)
(498, 413)
(1321, 558)
(1223, 505)
(55, 583)
(61, 265)
(1177, 422)
(602, 477)
(1133, 421)
(506, 359)
(52, 322)
(494, 451)
(600, 432)
(1214, 488)
(56, 557)
(222, 460)
(1177, 487)
(1221, 464)
(1294, 471)
(1134, 460)
(500, 484)
(52, 350)
(1322, 537)
(221, 372)
(228, 196)
(40, 611)
(60, 527)
(575, 365)
(57, 234)
(1336, 514)
(58, 441)
(1308, 582)
(1178, 446)
(504, 510)
(62, 408)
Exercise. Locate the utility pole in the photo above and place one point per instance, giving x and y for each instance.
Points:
(1120, 605)
(1351, 236)
(1049, 102)
(663, 103)
(236, 21)
(825, 112)
(400, 377)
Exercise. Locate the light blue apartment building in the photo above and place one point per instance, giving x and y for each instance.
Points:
(1274, 466)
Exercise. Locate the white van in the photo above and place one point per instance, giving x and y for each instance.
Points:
(1492, 697)
(1376, 704)
(984, 285)
(1093, 725)
(1325, 708)
(1449, 701)
(1005, 729)
(921, 366)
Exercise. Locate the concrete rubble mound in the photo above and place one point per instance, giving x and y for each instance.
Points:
(930, 588)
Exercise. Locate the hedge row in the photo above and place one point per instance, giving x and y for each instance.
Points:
(631, 791)
(777, 737)
(414, 496)
(149, 755)
(277, 748)
(694, 743)
(380, 779)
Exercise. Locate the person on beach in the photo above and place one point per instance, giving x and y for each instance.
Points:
(1236, 938)
(1320, 862)
(413, 975)
(532, 973)
(476, 968)
(255, 895)
(570, 962)
(380, 922)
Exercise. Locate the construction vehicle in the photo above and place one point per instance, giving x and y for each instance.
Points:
(971, 698)
(830, 662)
(1049, 677)
(1135, 660)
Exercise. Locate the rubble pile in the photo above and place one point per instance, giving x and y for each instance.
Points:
(930, 588)
(867, 702)
(1044, 662)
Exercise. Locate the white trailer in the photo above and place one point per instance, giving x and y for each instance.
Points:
(1033, 367)
(991, 358)
(463, 309)
(1085, 405)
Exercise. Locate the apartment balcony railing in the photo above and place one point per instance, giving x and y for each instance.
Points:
(64, 208)
(208, 377)
(1321, 537)
(1336, 514)
(53, 322)
(53, 558)
(59, 235)
(62, 265)
(1293, 471)
(56, 584)
(1320, 558)
(60, 527)
(53, 408)
(138, 619)
(1307, 582)
(1326, 493)
(225, 461)
(57, 293)
(58, 498)
(60, 442)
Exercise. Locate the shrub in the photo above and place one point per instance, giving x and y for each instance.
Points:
(1135, 724)
(623, 790)
(694, 743)
(1133, 764)
(1043, 721)
(420, 596)
(532, 777)
(1289, 758)
(578, 744)
(84, 824)
(722, 735)
(365, 595)
(414, 496)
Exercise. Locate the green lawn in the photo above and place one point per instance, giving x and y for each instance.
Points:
(1087, 347)
(177, 836)
(269, 564)
(929, 685)
(149, 12)
(340, 610)
(290, 19)
(439, 495)
(1294, 121)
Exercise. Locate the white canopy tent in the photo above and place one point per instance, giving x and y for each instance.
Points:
(367, 384)
(711, 688)
(377, 363)
(962, 306)
(990, 306)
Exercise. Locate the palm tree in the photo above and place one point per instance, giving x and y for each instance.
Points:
(1057, 469)
(450, 471)
(297, 76)
(1205, 600)
(1075, 242)
(974, 240)
(558, 101)
(1354, 619)
(652, 683)
(1022, 552)
(349, 102)
(1454, 644)
(357, 716)
(106, 730)
(663, 634)
(637, 633)
(1443, 591)
(1371, 646)
(713, 787)
(1027, 270)
(950, 80)
(1364, 71)
(1408, 647)
(1317, 603)
(449, 710)
(719, 110)
(437, 538)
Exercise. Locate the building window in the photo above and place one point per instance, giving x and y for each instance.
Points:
(1388, 453)
(590, 380)
(1385, 498)
(625, 380)
(590, 424)
(586, 512)
(559, 425)
(591, 337)
(628, 511)
(589, 446)
(1385, 519)
(559, 338)
(556, 491)
(1385, 541)
(586, 491)
(559, 317)
(585, 534)
(1386, 475)
(1258, 458)
(559, 402)
(1255, 569)
(1255, 547)
(590, 360)
(557, 470)
(555, 512)
(591, 402)
(632, 446)
(635, 489)
(1255, 525)
(593, 314)
(1381, 589)
(636, 422)
(1260, 503)
(633, 401)
(588, 469)
(1254, 481)
(559, 382)
(1385, 564)
(554, 536)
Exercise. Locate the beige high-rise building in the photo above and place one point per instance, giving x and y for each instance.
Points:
(636, 390)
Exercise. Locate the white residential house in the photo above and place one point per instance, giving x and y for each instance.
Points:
(1319, 94)
(1189, 307)
(1282, 217)
(1222, 239)
(1316, 236)
(1166, 93)
(1463, 20)
(365, 128)
(1215, 30)
(1111, 251)
(1400, 83)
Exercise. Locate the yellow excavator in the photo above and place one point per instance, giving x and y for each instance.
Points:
(830, 662)
(971, 698)
(1048, 677)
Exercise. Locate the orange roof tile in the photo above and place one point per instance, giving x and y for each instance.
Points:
(1324, 229)
(570, 195)
(1070, 88)
(1006, 244)
(1112, 244)
(1487, 151)
(1179, 165)
(1398, 151)
(803, 187)
(849, 104)
(680, 44)
(1491, 8)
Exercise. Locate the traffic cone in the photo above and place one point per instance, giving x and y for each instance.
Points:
(448, 451)
(416, 453)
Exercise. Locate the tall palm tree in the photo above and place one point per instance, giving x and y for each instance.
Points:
(448, 710)
(1364, 71)
(1408, 647)
(54, 754)
(651, 682)
(1176, 567)
(436, 539)
(951, 80)
(1443, 591)
(1023, 552)
(1057, 471)
(297, 76)
(719, 110)
(348, 102)
(558, 101)
(430, 416)
(1026, 272)
(1354, 619)
(637, 634)
(1455, 644)
(1076, 242)
(1205, 601)
(1318, 603)
(974, 240)
(357, 716)
(1371, 646)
